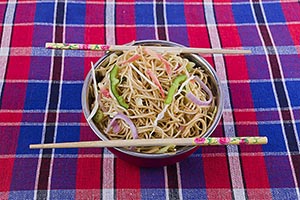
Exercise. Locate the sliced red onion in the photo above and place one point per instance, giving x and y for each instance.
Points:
(116, 127)
(127, 121)
(197, 101)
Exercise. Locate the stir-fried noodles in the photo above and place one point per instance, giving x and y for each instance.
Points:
(144, 94)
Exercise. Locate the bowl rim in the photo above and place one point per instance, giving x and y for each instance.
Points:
(203, 62)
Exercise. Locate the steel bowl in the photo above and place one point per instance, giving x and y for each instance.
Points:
(155, 160)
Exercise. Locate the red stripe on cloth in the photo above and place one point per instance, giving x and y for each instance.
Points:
(86, 134)
(236, 68)
(125, 170)
(245, 131)
(94, 13)
(18, 67)
(127, 178)
(125, 16)
(10, 117)
(88, 174)
(255, 172)
(125, 35)
(224, 14)
(260, 193)
(22, 36)
(15, 99)
(245, 115)
(198, 37)
(295, 32)
(25, 13)
(242, 97)
(219, 194)
(229, 37)
(6, 171)
(194, 14)
(216, 172)
(291, 13)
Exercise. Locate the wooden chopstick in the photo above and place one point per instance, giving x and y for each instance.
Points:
(104, 47)
(157, 142)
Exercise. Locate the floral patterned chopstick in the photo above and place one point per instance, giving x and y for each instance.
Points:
(105, 47)
(158, 142)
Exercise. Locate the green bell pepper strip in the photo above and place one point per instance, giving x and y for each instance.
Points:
(177, 81)
(98, 116)
(113, 86)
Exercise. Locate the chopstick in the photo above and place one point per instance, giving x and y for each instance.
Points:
(105, 47)
(157, 142)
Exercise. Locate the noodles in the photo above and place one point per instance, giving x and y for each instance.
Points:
(151, 90)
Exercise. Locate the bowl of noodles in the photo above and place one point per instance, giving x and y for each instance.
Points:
(145, 94)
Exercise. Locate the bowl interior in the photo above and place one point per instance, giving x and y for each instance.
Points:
(200, 62)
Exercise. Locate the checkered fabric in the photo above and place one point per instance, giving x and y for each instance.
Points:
(40, 98)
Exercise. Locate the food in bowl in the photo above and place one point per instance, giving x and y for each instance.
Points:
(145, 94)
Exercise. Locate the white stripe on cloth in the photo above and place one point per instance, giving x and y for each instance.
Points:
(108, 175)
(234, 163)
(6, 37)
(275, 92)
(59, 99)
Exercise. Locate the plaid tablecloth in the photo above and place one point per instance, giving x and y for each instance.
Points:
(40, 98)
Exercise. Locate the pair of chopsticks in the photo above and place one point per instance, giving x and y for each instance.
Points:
(152, 142)
(105, 47)
(209, 141)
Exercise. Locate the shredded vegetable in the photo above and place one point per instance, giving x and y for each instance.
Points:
(156, 82)
(127, 121)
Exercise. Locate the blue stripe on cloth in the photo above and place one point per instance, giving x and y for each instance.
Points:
(284, 193)
(144, 14)
(145, 33)
(263, 95)
(179, 35)
(281, 35)
(153, 194)
(39, 67)
(249, 35)
(273, 12)
(242, 13)
(21, 194)
(74, 69)
(192, 173)
(62, 194)
(71, 96)
(152, 178)
(275, 137)
(298, 128)
(74, 35)
(36, 96)
(175, 14)
(279, 172)
(29, 135)
(44, 12)
(24, 173)
(196, 193)
(255, 70)
(76, 13)
(64, 173)
(67, 134)
(293, 91)
(41, 35)
(290, 65)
